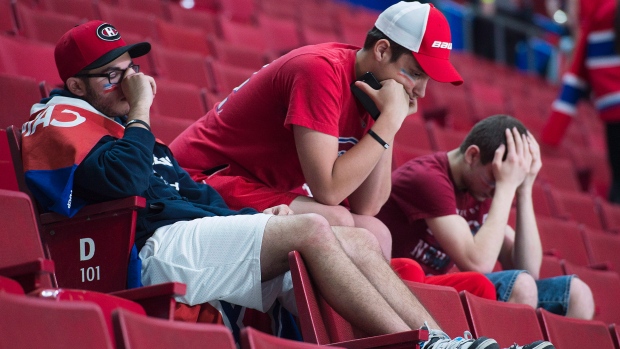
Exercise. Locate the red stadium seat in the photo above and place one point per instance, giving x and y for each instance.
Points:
(320, 324)
(254, 339)
(561, 174)
(227, 77)
(130, 21)
(551, 266)
(187, 67)
(45, 26)
(29, 322)
(241, 11)
(157, 8)
(244, 34)
(76, 8)
(206, 21)
(444, 305)
(167, 128)
(414, 133)
(17, 95)
(579, 207)
(562, 239)
(134, 331)
(182, 37)
(281, 35)
(605, 286)
(27, 58)
(447, 139)
(570, 333)
(8, 24)
(238, 55)
(603, 248)
(8, 285)
(505, 322)
(179, 100)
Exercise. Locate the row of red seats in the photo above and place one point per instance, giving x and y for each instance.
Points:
(30, 322)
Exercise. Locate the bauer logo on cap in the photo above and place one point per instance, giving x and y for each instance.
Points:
(108, 33)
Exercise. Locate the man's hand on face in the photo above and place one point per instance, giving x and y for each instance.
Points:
(513, 171)
(139, 90)
(391, 99)
(534, 150)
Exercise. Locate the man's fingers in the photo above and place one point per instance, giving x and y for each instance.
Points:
(518, 142)
(510, 142)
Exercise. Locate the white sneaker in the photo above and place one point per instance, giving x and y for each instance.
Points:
(438, 339)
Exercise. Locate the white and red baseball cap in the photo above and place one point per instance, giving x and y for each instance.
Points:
(424, 30)
(92, 45)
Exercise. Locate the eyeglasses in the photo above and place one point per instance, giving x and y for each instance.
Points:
(114, 76)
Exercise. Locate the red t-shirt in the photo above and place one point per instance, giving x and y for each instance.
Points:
(251, 129)
(424, 188)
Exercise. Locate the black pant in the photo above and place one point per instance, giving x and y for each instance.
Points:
(613, 154)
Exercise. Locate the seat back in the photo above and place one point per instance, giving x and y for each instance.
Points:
(8, 285)
(91, 250)
(605, 286)
(26, 58)
(17, 94)
(255, 339)
(320, 323)
(21, 251)
(570, 333)
(29, 322)
(564, 239)
(444, 304)
(134, 331)
(507, 323)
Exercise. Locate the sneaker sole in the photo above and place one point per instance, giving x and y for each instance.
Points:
(488, 344)
(543, 345)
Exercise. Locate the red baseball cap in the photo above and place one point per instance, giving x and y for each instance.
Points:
(425, 31)
(92, 45)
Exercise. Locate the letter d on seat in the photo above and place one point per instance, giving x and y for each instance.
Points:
(91, 249)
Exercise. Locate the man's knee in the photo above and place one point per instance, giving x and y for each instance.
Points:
(314, 230)
(524, 291)
(581, 301)
(339, 216)
(357, 241)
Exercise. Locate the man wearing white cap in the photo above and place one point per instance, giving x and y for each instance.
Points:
(296, 122)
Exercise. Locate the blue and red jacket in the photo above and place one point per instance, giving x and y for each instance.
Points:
(74, 155)
(594, 71)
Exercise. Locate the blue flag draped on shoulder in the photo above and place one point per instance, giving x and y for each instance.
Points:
(57, 138)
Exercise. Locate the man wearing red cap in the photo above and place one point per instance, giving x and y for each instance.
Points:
(91, 142)
(296, 122)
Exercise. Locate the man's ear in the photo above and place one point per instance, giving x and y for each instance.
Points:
(472, 154)
(382, 50)
(76, 86)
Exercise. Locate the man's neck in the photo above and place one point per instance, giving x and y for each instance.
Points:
(457, 164)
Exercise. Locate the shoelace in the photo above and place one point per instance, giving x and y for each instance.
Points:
(445, 342)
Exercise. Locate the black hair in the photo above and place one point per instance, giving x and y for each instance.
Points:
(375, 35)
(488, 134)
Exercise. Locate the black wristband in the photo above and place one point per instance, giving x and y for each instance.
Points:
(136, 121)
(378, 139)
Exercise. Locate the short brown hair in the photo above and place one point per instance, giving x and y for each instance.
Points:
(488, 134)
(375, 35)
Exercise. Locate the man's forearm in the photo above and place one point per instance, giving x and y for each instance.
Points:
(375, 190)
(527, 251)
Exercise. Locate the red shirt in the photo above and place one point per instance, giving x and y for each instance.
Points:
(251, 129)
(424, 188)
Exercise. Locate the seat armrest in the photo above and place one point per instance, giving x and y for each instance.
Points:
(407, 339)
(30, 274)
(157, 300)
(128, 203)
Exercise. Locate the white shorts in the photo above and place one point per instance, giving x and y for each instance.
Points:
(218, 258)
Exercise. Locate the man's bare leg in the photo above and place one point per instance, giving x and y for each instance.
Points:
(341, 216)
(366, 255)
(341, 283)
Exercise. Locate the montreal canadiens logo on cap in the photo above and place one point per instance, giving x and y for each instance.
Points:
(107, 32)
